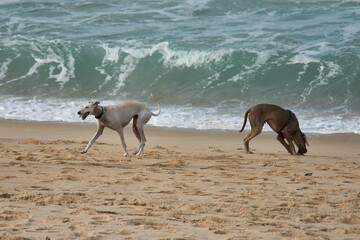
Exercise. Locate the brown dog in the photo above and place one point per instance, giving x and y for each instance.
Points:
(282, 121)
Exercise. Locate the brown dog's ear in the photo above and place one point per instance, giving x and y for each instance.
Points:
(96, 103)
(306, 141)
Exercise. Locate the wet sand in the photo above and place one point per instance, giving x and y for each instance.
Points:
(187, 185)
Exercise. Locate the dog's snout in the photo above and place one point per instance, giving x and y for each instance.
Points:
(78, 112)
(302, 151)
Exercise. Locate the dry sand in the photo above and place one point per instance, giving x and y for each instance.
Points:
(186, 185)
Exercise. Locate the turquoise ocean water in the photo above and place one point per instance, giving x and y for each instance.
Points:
(206, 61)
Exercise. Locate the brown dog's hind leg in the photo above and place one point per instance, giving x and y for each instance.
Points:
(256, 122)
(251, 135)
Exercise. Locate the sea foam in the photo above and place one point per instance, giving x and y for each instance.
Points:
(58, 110)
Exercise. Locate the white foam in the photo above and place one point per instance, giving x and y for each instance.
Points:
(189, 7)
(169, 58)
(302, 59)
(111, 54)
(193, 58)
(235, 78)
(305, 60)
(334, 69)
(327, 71)
(44, 55)
(350, 31)
(37, 109)
(261, 60)
(65, 73)
(6, 2)
(4, 68)
(129, 66)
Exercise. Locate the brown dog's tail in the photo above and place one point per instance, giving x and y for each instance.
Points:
(246, 115)
(157, 114)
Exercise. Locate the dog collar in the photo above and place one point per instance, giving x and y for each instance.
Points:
(102, 113)
(288, 121)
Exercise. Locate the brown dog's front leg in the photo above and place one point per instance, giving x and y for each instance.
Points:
(291, 144)
(280, 138)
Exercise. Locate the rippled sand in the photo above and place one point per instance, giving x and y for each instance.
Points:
(186, 185)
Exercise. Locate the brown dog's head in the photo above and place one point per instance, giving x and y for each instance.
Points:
(301, 142)
(87, 109)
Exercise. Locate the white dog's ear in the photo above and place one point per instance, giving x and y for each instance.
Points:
(96, 103)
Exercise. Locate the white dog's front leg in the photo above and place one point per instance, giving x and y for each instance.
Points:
(96, 136)
(122, 138)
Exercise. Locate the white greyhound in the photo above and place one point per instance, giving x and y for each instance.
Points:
(116, 117)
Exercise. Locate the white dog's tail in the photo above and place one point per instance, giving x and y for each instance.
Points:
(157, 105)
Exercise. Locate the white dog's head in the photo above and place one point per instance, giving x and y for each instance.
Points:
(88, 109)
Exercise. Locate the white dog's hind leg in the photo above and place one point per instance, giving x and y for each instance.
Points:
(143, 118)
(134, 128)
(141, 146)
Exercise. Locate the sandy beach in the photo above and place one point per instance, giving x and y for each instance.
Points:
(188, 184)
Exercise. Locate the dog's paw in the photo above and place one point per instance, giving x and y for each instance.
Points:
(126, 154)
(137, 152)
(83, 151)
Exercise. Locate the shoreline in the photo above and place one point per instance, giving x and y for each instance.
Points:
(188, 184)
(64, 130)
(266, 129)
(315, 134)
